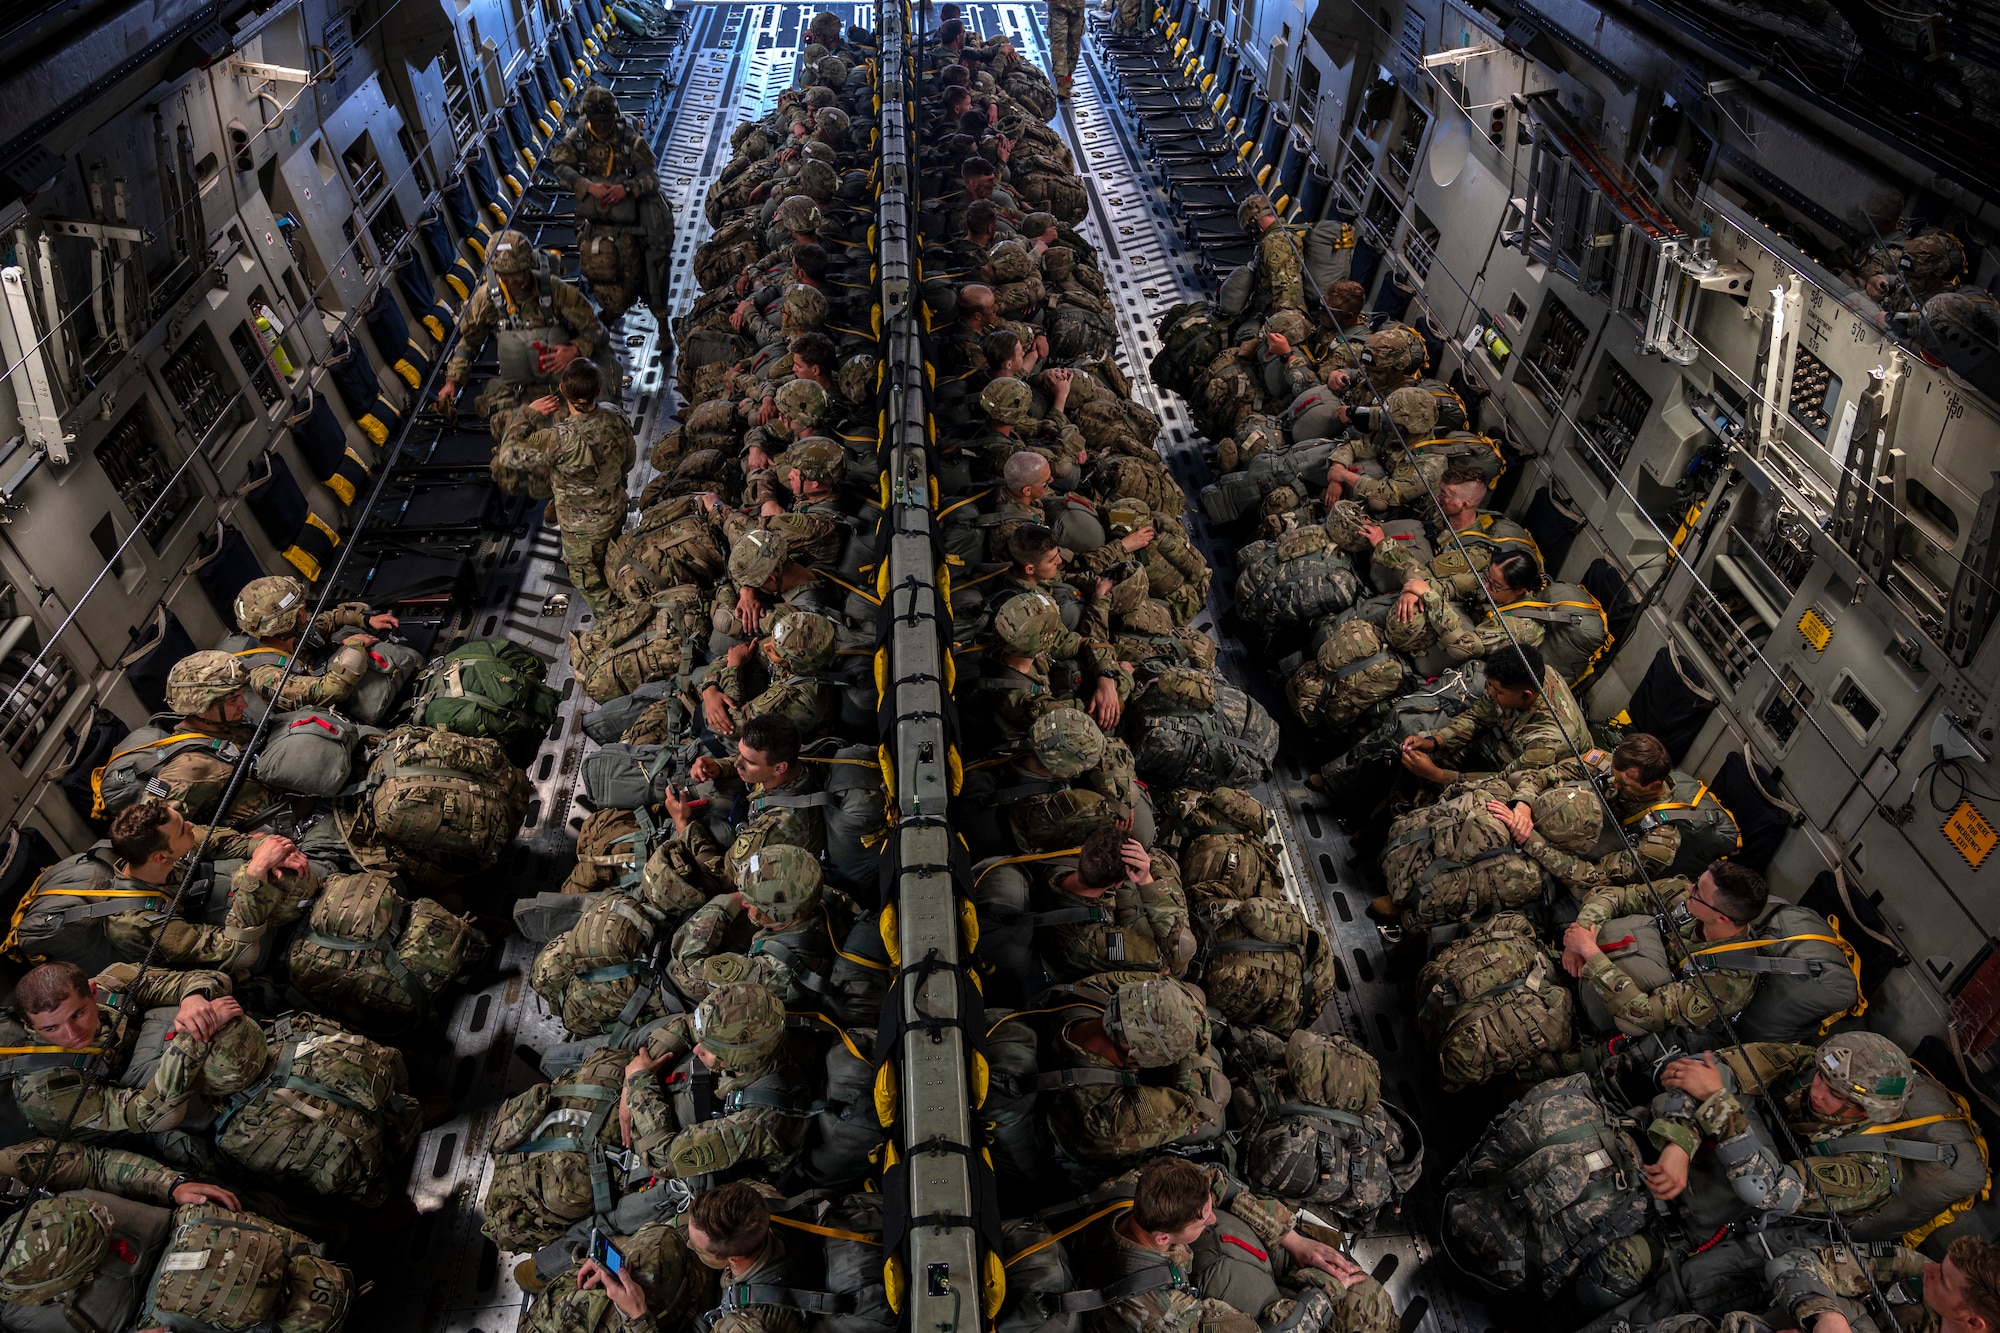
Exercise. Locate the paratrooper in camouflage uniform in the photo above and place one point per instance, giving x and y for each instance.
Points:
(271, 619)
(591, 450)
(524, 304)
(774, 930)
(611, 169)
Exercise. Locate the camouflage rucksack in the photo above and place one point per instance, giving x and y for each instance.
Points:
(1190, 338)
(332, 1115)
(631, 645)
(1263, 963)
(599, 975)
(611, 847)
(1490, 1003)
(1351, 670)
(1146, 479)
(1294, 580)
(233, 1272)
(723, 255)
(444, 805)
(368, 954)
(1359, 775)
(678, 1287)
(549, 1144)
(1225, 855)
(488, 687)
(1553, 1182)
(673, 544)
(1456, 860)
(1324, 1138)
(1190, 728)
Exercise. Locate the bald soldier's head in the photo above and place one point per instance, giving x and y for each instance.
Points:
(975, 307)
(1026, 475)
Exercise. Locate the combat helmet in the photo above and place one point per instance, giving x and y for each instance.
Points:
(739, 1022)
(1570, 816)
(511, 252)
(800, 213)
(599, 103)
(780, 880)
(1010, 262)
(802, 402)
(1066, 742)
(268, 608)
(1026, 622)
(1411, 410)
(803, 641)
(817, 458)
(60, 1244)
(1868, 1070)
(858, 376)
(832, 72)
(817, 180)
(1252, 211)
(1007, 401)
(757, 556)
(201, 680)
(1035, 225)
(1159, 1020)
(1290, 325)
(1936, 258)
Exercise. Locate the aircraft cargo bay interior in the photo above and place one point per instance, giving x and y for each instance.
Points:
(1319, 666)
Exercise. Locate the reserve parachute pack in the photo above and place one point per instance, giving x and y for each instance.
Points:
(847, 1135)
(1190, 728)
(1489, 1003)
(491, 688)
(1294, 579)
(309, 752)
(1359, 774)
(1238, 494)
(332, 1114)
(1456, 860)
(857, 817)
(1324, 1139)
(1552, 1183)
(371, 955)
(443, 805)
(391, 668)
(1707, 829)
(228, 1272)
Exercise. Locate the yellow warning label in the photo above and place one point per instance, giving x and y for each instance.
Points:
(1817, 632)
(1971, 833)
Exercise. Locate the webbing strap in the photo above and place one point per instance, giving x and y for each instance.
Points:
(994, 865)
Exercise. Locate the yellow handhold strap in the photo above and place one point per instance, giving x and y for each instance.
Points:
(12, 944)
(838, 1030)
(1017, 860)
(51, 1050)
(1070, 1230)
(1052, 1009)
(869, 597)
(855, 959)
(834, 1233)
(97, 774)
(960, 504)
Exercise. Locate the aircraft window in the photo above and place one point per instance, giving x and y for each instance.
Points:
(1922, 501)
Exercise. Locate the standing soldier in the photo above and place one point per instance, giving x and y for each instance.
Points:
(543, 324)
(1277, 281)
(590, 451)
(622, 218)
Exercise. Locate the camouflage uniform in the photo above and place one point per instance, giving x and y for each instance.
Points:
(1127, 928)
(1227, 1280)
(1105, 1118)
(1278, 282)
(698, 1123)
(800, 402)
(803, 641)
(677, 1286)
(1457, 575)
(606, 149)
(786, 813)
(1286, 375)
(268, 608)
(128, 1098)
(590, 454)
(791, 957)
(1812, 1280)
(1065, 40)
(740, 1313)
(1406, 414)
(1009, 402)
(1086, 778)
(552, 302)
(1446, 625)
(1552, 730)
(1691, 1003)
(1656, 845)
(1870, 1071)
(78, 1166)
(1016, 698)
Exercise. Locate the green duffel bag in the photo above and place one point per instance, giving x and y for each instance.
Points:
(491, 688)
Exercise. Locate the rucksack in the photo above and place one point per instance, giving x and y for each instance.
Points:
(1190, 728)
(611, 847)
(1190, 338)
(344, 1118)
(549, 1153)
(1323, 1137)
(1489, 1003)
(123, 779)
(625, 777)
(631, 645)
(725, 254)
(1294, 579)
(1575, 630)
(673, 544)
(1708, 831)
(444, 805)
(1552, 1183)
(846, 1136)
(229, 1272)
(369, 954)
(1360, 774)
(492, 688)
(1038, 1273)
(392, 666)
(857, 818)
(1456, 860)
(308, 753)
(1351, 671)
(1263, 963)
(1225, 855)
(609, 722)
(600, 973)
(672, 882)
(1023, 1153)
